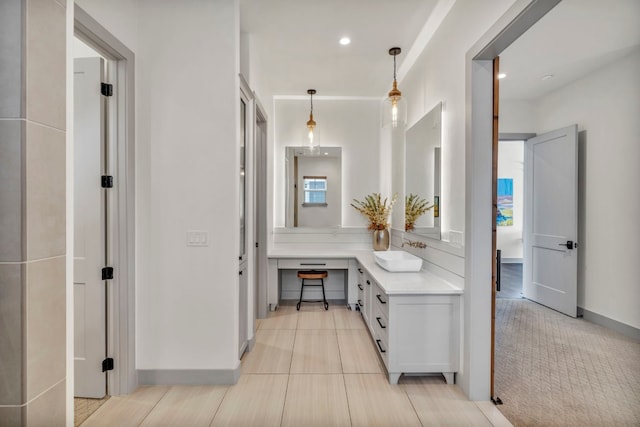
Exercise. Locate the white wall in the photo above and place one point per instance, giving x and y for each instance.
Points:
(321, 216)
(517, 116)
(119, 17)
(606, 107)
(353, 125)
(186, 156)
(187, 310)
(511, 165)
(439, 75)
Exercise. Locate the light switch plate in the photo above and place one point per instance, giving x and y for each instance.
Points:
(197, 238)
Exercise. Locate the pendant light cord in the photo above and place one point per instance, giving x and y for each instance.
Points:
(311, 102)
(394, 66)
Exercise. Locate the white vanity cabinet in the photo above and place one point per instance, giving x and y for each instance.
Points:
(413, 318)
(416, 333)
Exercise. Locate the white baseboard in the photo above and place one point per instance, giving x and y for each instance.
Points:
(598, 319)
(188, 376)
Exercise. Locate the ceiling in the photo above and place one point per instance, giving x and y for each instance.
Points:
(298, 49)
(298, 42)
(574, 39)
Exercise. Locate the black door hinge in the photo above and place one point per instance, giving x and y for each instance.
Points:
(106, 89)
(107, 364)
(107, 181)
(107, 273)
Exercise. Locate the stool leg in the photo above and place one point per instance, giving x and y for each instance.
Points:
(300, 301)
(326, 304)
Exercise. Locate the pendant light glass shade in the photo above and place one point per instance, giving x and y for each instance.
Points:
(312, 140)
(394, 110)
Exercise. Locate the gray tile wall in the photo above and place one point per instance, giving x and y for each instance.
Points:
(33, 212)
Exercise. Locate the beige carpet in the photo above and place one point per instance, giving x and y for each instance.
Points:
(553, 370)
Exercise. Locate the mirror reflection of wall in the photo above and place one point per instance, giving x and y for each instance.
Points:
(314, 197)
(422, 170)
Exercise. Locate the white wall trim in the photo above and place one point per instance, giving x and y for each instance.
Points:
(437, 15)
(476, 372)
(123, 379)
(188, 376)
(614, 325)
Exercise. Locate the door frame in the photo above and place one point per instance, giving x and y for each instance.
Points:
(121, 230)
(260, 200)
(475, 379)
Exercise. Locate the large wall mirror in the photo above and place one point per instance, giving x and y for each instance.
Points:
(313, 187)
(422, 171)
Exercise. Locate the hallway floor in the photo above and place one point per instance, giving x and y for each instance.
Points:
(510, 281)
(308, 368)
(554, 370)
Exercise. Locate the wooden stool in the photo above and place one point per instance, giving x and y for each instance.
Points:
(312, 275)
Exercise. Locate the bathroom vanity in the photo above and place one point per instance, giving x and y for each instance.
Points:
(413, 318)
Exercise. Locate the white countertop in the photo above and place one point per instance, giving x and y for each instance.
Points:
(420, 283)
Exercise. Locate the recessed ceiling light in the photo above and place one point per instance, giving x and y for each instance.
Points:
(547, 76)
(345, 41)
(326, 154)
(502, 75)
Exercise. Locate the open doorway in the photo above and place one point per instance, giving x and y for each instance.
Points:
(536, 376)
(112, 177)
(510, 217)
(91, 222)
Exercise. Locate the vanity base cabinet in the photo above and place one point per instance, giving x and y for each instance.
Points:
(417, 333)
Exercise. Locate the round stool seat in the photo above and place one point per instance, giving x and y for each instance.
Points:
(312, 274)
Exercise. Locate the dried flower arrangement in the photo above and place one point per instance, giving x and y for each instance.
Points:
(376, 210)
(414, 206)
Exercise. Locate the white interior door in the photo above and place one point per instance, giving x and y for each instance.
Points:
(89, 228)
(551, 220)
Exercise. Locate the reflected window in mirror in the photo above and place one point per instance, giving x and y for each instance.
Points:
(423, 172)
(315, 191)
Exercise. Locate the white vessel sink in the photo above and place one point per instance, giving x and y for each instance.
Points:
(398, 261)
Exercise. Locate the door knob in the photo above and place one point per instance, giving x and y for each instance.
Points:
(569, 244)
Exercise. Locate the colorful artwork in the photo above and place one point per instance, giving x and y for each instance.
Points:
(504, 216)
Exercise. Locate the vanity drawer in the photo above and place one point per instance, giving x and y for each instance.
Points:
(313, 264)
(381, 344)
(380, 299)
(380, 324)
(360, 299)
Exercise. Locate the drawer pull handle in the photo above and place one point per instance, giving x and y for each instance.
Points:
(368, 282)
(360, 303)
(382, 350)
(313, 263)
(360, 287)
(380, 323)
(380, 299)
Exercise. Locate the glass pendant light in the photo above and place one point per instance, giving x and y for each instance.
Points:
(312, 133)
(394, 110)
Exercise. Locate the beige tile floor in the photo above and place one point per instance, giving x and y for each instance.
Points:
(83, 408)
(309, 368)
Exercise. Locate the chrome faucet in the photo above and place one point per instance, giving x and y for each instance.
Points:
(414, 244)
